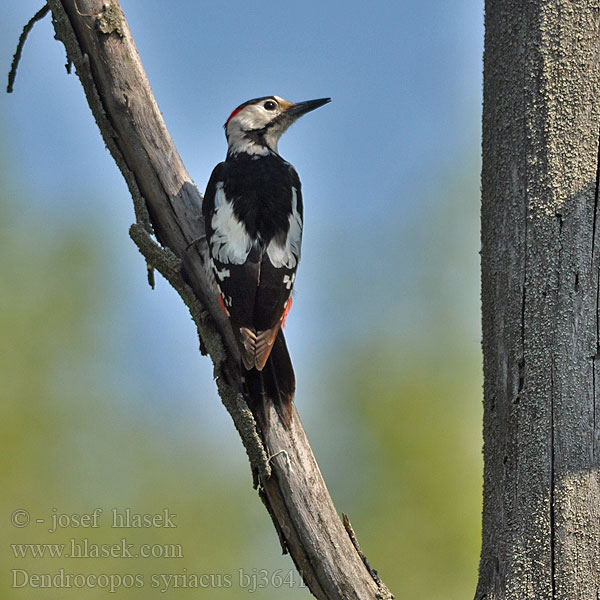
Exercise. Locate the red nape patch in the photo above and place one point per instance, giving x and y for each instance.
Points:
(235, 112)
(222, 305)
(286, 310)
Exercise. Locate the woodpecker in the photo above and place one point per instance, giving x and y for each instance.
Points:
(253, 216)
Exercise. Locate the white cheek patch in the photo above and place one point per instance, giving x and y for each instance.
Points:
(239, 141)
(247, 146)
(230, 242)
(288, 255)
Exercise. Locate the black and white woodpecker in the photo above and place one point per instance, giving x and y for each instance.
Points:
(253, 216)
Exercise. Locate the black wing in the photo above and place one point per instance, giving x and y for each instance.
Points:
(254, 263)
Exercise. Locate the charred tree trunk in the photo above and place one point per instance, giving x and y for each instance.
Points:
(540, 291)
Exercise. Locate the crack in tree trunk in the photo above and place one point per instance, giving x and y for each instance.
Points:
(540, 300)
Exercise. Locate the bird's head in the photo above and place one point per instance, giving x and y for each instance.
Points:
(256, 126)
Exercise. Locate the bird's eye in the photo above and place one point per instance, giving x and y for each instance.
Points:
(270, 105)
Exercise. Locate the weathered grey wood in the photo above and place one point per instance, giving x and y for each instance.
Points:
(301, 502)
(540, 276)
(167, 204)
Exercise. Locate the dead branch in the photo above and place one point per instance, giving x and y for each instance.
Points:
(170, 234)
(39, 15)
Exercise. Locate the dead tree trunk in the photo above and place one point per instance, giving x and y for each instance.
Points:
(540, 292)
(167, 206)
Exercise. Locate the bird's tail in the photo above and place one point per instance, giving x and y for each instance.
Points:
(275, 384)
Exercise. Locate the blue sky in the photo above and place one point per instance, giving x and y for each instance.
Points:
(385, 327)
(405, 80)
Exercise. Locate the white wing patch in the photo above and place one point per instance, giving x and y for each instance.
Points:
(289, 281)
(288, 255)
(223, 274)
(230, 242)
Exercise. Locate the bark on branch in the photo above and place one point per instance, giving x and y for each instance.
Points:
(168, 209)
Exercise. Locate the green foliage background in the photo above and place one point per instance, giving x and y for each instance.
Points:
(398, 439)
(105, 401)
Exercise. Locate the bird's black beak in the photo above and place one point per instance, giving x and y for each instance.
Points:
(301, 108)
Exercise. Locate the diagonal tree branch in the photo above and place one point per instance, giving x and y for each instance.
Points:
(169, 232)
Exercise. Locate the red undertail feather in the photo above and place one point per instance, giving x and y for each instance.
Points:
(288, 305)
(222, 305)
